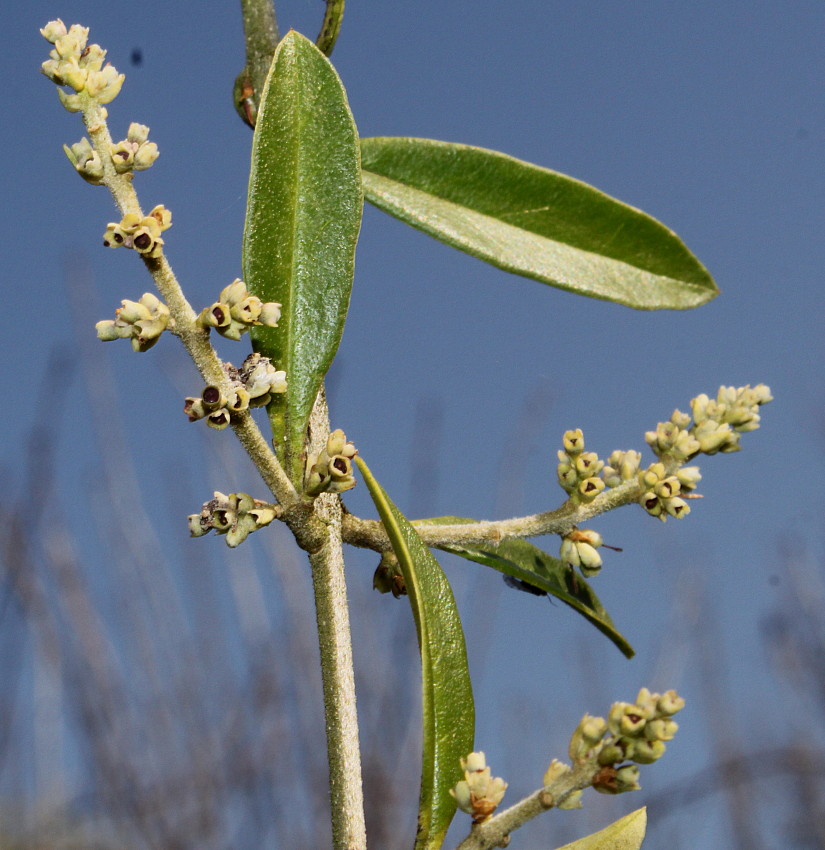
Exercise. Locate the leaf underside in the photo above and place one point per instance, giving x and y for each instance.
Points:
(533, 222)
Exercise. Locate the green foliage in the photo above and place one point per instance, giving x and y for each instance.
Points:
(528, 563)
(302, 222)
(447, 696)
(533, 222)
(627, 833)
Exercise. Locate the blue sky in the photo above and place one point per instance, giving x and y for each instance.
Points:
(708, 116)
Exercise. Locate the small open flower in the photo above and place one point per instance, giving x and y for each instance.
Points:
(479, 793)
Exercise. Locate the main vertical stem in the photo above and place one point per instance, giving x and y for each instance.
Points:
(346, 794)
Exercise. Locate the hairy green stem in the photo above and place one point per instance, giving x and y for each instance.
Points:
(261, 36)
(334, 639)
(370, 534)
(333, 16)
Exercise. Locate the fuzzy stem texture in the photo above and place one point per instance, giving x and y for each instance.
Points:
(496, 831)
(329, 584)
(194, 338)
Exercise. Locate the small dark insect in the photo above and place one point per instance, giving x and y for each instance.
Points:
(136, 57)
(523, 586)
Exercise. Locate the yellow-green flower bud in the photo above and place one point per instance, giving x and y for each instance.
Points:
(689, 477)
(661, 729)
(193, 408)
(588, 465)
(479, 793)
(676, 507)
(626, 719)
(240, 400)
(670, 703)
(652, 504)
(71, 102)
(627, 779)
(247, 310)
(53, 30)
(138, 133)
(216, 316)
(555, 772)
(104, 85)
(145, 156)
(463, 796)
(590, 488)
(572, 801)
(85, 160)
(270, 314)
(196, 526)
(646, 752)
(573, 441)
(161, 215)
(587, 735)
(611, 754)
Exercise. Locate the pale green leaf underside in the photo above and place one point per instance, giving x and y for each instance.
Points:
(447, 697)
(522, 560)
(302, 221)
(627, 833)
(533, 222)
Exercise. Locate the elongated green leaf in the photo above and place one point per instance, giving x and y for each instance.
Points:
(528, 563)
(302, 220)
(627, 833)
(533, 222)
(447, 696)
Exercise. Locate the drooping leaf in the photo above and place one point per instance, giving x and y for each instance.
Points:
(526, 562)
(627, 833)
(302, 221)
(533, 222)
(447, 696)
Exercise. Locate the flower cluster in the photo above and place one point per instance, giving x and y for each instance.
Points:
(667, 484)
(236, 515)
(135, 152)
(578, 549)
(141, 321)
(74, 63)
(142, 233)
(662, 496)
(330, 471)
(252, 386)
(635, 732)
(236, 311)
(735, 411)
(578, 470)
(479, 793)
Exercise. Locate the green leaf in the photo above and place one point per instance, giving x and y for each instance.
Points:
(447, 696)
(526, 562)
(627, 833)
(533, 222)
(302, 220)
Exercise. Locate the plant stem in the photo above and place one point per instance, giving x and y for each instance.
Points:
(261, 37)
(331, 26)
(370, 534)
(495, 831)
(334, 639)
(194, 338)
